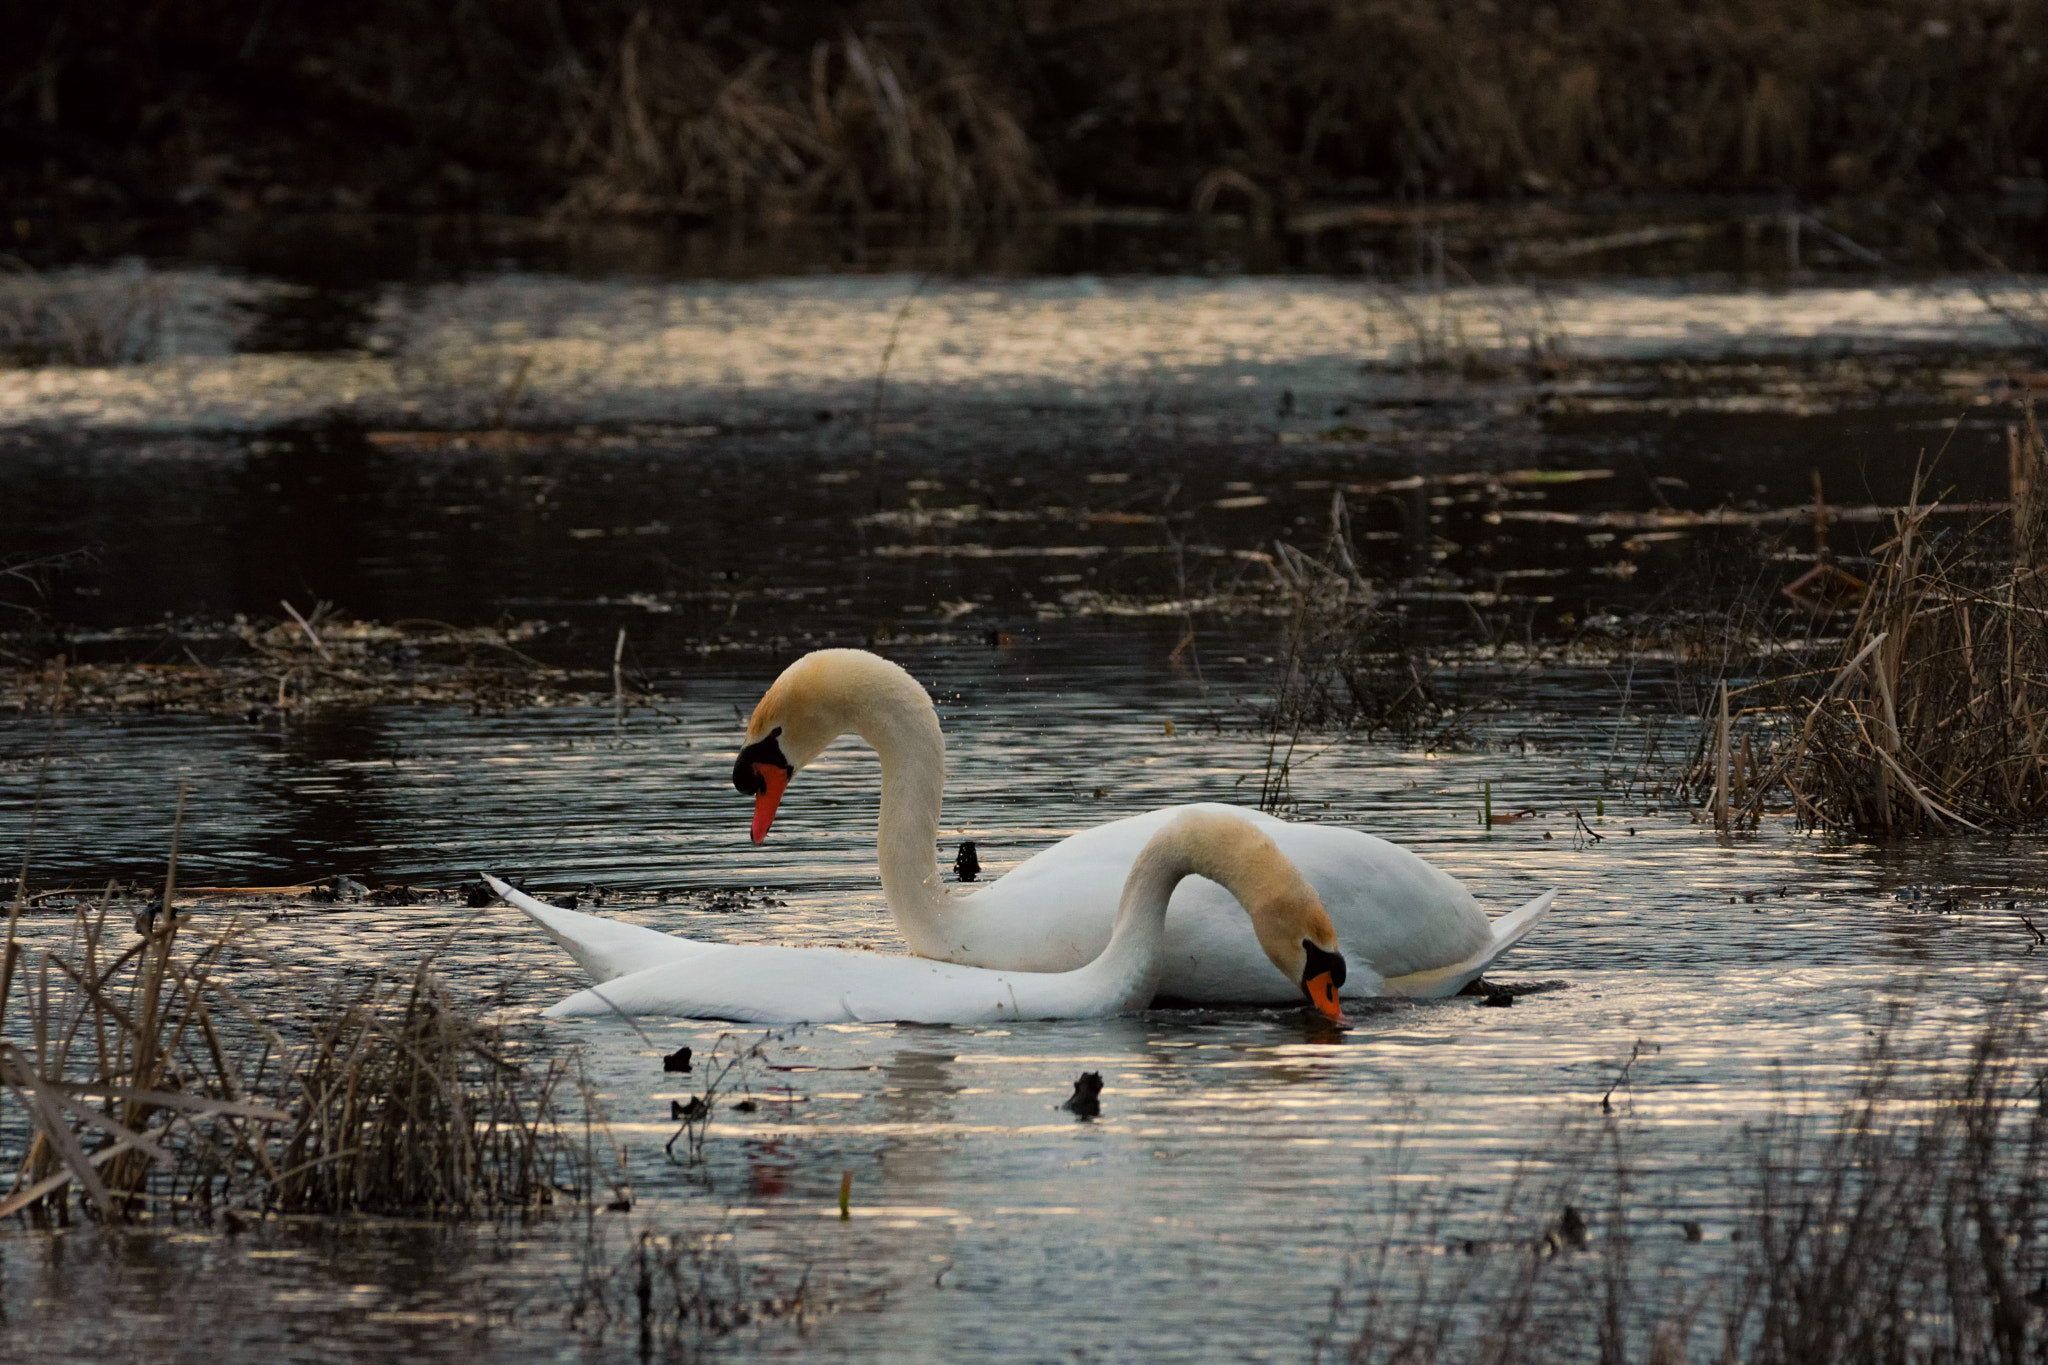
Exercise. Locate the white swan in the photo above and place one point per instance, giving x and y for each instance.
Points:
(1407, 928)
(779, 985)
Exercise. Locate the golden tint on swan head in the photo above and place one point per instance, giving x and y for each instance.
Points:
(1287, 914)
(815, 701)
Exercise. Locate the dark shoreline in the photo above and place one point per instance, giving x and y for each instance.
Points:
(980, 115)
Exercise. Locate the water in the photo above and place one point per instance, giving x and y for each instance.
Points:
(1241, 1155)
(1241, 1152)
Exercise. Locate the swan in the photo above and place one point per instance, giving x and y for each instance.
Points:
(770, 984)
(1408, 929)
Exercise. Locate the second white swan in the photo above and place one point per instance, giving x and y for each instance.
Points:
(765, 983)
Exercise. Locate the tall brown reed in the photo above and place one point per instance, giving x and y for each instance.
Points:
(1933, 717)
(735, 110)
(405, 1104)
(144, 1080)
(1905, 1224)
(863, 124)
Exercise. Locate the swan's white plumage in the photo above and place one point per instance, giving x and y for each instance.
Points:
(774, 984)
(1407, 927)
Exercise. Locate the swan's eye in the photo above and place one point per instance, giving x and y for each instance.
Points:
(765, 750)
(1321, 960)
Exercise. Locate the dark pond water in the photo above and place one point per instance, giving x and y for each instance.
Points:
(1242, 1155)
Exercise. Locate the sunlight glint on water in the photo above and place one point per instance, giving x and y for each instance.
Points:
(1750, 973)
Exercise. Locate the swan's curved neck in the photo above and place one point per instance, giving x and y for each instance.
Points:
(1219, 847)
(896, 719)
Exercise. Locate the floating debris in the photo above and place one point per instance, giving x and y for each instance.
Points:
(967, 863)
(310, 662)
(1086, 1101)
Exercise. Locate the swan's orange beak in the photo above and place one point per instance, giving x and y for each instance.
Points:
(1322, 993)
(773, 781)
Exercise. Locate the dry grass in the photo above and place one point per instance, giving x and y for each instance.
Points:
(1933, 716)
(143, 1082)
(1455, 99)
(307, 661)
(405, 1104)
(1905, 1226)
(678, 1294)
(861, 126)
(85, 320)
(986, 105)
(1350, 662)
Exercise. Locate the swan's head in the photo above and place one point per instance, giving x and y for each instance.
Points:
(795, 720)
(1298, 937)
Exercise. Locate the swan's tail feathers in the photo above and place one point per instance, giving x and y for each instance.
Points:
(605, 948)
(1508, 930)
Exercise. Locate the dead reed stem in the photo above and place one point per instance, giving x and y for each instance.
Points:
(1935, 717)
(875, 123)
(1900, 1224)
(184, 1096)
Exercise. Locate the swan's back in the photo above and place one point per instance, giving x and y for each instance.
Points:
(1394, 913)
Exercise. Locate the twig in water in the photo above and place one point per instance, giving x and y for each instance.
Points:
(619, 679)
(1640, 1049)
(881, 385)
(307, 626)
(511, 395)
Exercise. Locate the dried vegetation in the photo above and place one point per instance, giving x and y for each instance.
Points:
(1264, 110)
(1906, 1226)
(676, 1295)
(321, 659)
(1353, 660)
(862, 126)
(144, 1084)
(1932, 715)
(84, 319)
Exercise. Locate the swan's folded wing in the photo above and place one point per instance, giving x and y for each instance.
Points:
(604, 948)
(767, 984)
(1507, 931)
(724, 983)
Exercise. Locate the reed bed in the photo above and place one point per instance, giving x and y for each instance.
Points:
(861, 126)
(407, 1104)
(747, 111)
(306, 661)
(1906, 1225)
(1932, 716)
(1353, 662)
(144, 1084)
(62, 319)
(678, 1294)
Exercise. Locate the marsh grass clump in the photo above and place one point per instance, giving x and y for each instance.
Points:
(143, 1080)
(308, 661)
(406, 1104)
(1351, 662)
(1905, 1225)
(858, 125)
(82, 319)
(678, 1294)
(736, 111)
(1933, 715)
